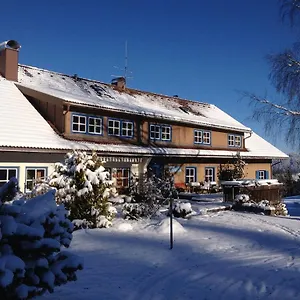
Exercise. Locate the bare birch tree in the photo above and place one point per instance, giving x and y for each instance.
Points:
(283, 114)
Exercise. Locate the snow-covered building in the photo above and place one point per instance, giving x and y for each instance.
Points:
(45, 114)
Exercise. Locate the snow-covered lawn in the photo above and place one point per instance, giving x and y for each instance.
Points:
(293, 205)
(226, 255)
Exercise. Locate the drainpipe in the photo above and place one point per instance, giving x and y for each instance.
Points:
(247, 137)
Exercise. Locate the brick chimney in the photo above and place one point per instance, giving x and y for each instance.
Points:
(9, 59)
(119, 82)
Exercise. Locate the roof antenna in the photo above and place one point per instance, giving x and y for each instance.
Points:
(125, 70)
(126, 60)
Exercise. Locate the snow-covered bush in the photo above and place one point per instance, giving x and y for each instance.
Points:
(182, 209)
(242, 198)
(280, 209)
(149, 195)
(82, 186)
(32, 233)
(135, 211)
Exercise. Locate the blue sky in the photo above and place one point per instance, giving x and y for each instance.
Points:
(199, 50)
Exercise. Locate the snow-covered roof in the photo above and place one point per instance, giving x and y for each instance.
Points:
(23, 127)
(251, 182)
(97, 94)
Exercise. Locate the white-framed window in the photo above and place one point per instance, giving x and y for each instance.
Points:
(238, 141)
(165, 133)
(206, 137)
(127, 128)
(114, 127)
(190, 174)
(262, 174)
(122, 177)
(209, 174)
(7, 173)
(160, 132)
(198, 137)
(33, 175)
(95, 125)
(154, 132)
(79, 123)
(235, 140)
(231, 140)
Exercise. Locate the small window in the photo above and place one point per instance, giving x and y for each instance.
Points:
(160, 132)
(206, 137)
(209, 174)
(33, 175)
(155, 132)
(190, 174)
(235, 140)
(198, 137)
(231, 140)
(165, 133)
(127, 128)
(6, 174)
(78, 123)
(238, 141)
(123, 177)
(262, 174)
(114, 127)
(95, 125)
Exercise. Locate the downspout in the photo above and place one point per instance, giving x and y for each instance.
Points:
(247, 137)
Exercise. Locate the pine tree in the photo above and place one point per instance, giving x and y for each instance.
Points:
(33, 231)
(82, 185)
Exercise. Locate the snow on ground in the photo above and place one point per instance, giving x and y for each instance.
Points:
(203, 203)
(225, 255)
(293, 205)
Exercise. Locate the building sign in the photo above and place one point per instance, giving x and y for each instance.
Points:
(121, 159)
(174, 169)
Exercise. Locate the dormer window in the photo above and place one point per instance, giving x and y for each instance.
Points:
(95, 125)
(127, 128)
(238, 141)
(160, 132)
(165, 133)
(123, 128)
(154, 132)
(114, 127)
(78, 123)
(198, 137)
(206, 137)
(202, 137)
(235, 140)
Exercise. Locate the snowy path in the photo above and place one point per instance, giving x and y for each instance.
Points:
(228, 255)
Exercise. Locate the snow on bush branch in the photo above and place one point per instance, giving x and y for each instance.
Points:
(82, 185)
(32, 233)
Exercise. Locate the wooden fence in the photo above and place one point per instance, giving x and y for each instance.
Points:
(272, 193)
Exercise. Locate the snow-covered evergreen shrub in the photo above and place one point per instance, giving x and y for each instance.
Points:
(182, 209)
(32, 232)
(82, 186)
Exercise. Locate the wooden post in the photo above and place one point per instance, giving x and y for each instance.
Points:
(171, 223)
